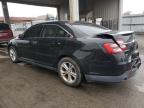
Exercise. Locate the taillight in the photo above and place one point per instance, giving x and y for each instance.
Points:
(6, 33)
(122, 44)
(113, 48)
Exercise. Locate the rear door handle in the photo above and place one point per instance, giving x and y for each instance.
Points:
(58, 43)
(34, 42)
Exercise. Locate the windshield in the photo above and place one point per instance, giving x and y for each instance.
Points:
(83, 30)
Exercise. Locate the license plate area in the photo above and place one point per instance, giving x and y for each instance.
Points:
(134, 60)
(136, 63)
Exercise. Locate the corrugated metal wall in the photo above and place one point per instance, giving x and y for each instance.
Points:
(133, 23)
(108, 10)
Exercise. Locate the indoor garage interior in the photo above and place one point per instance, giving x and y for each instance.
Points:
(106, 11)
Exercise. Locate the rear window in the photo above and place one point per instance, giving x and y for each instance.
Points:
(83, 30)
(4, 26)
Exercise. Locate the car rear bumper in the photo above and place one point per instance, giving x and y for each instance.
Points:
(2, 42)
(5, 40)
(115, 79)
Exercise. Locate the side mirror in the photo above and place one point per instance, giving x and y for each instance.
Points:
(21, 35)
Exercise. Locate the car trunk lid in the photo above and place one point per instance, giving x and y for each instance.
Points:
(132, 53)
(128, 37)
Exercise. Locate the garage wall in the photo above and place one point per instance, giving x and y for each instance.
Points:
(133, 23)
(108, 10)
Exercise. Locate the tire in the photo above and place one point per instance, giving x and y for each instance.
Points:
(69, 72)
(13, 54)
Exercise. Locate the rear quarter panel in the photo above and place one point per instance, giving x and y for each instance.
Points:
(86, 51)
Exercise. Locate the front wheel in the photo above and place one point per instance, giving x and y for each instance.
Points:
(69, 72)
(13, 54)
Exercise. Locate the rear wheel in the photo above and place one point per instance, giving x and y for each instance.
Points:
(13, 54)
(69, 72)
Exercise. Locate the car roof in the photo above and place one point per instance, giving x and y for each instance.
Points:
(73, 23)
(53, 22)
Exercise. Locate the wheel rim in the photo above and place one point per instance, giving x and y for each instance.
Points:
(12, 54)
(68, 72)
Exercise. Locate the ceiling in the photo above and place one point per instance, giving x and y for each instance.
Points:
(50, 3)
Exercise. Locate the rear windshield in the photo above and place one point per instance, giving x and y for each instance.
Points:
(4, 26)
(83, 30)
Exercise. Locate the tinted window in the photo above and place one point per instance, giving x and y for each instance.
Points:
(34, 31)
(4, 26)
(82, 30)
(53, 31)
(61, 32)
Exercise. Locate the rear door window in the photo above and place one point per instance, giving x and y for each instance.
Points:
(49, 31)
(53, 31)
(84, 30)
(60, 32)
(34, 31)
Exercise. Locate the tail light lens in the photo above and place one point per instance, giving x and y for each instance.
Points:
(122, 44)
(6, 33)
(113, 48)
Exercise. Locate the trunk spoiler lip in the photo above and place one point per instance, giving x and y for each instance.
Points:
(111, 35)
(123, 33)
(117, 33)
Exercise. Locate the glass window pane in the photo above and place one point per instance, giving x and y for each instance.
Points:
(49, 31)
(53, 31)
(34, 31)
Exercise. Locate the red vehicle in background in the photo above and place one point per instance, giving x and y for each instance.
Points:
(5, 33)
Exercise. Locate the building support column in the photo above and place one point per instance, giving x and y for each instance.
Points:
(120, 14)
(74, 10)
(58, 13)
(5, 12)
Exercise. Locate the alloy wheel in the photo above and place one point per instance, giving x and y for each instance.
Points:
(12, 54)
(68, 72)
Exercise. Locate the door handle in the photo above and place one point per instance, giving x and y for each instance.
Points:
(34, 42)
(58, 43)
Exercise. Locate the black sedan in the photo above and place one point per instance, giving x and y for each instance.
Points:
(78, 51)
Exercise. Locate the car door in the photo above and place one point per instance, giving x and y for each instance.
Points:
(27, 45)
(51, 44)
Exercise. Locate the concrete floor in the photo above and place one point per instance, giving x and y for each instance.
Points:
(27, 86)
